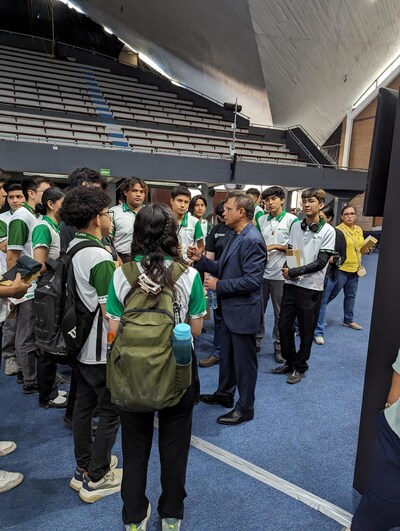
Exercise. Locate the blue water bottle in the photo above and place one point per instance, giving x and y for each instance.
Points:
(182, 344)
(212, 298)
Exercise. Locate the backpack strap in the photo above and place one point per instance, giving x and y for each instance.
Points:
(132, 273)
(71, 253)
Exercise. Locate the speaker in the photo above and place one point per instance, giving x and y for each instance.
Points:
(313, 227)
(381, 149)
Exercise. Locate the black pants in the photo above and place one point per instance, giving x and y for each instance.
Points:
(93, 455)
(238, 367)
(69, 412)
(175, 429)
(304, 304)
(46, 379)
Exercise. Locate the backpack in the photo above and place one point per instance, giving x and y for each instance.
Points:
(62, 320)
(142, 374)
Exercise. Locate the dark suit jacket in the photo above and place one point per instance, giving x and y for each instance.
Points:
(240, 271)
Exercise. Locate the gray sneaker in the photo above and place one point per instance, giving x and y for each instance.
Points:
(11, 366)
(92, 491)
(170, 524)
(141, 526)
(295, 377)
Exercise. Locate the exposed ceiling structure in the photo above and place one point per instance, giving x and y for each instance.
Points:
(287, 61)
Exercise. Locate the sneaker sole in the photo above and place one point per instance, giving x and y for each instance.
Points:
(8, 450)
(94, 496)
(12, 484)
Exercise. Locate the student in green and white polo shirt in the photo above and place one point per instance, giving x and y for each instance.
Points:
(156, 229)
(197, 208)
(87, 209)
(302, 292)
(15, 199)
(19, 243)
(275, 228)
(46, 244)
(254, 193)
(134, 191)
(189, 231)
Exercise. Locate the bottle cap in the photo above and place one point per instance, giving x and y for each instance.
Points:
(182, 331)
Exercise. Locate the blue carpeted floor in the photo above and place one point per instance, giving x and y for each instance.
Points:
(306, 434)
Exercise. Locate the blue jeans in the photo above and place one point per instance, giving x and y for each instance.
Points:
(329, 286)
(349, 283)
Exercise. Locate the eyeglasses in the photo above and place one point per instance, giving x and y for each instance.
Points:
(309, 201)
(109, 213)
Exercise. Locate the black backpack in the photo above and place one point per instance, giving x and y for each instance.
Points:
(62, 320)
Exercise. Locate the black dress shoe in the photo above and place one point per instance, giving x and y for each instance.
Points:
(217, 400)
(282, 369)
(235, 417)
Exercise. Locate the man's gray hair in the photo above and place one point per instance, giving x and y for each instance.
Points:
(242, 201)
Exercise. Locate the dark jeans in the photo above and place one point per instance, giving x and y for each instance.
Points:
(93, 455)
(273, 289)
(46, 379)
(304, 304)
(379, 509)
(216, 350)
(175, 429)
(349, 283)
(238, 368)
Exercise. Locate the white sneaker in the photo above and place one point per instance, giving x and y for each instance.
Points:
(10, 366)
(142, 526)
(77, 480)
(9, 480)
(6, 447)
(319, 340)
(170, 524)
(92, 491)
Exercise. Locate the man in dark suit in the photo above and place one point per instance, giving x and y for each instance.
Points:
(236, 277)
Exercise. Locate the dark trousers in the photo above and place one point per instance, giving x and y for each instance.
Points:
(25, 345)
(175, 429)
(93, 455)
(379, 509)
(304, 304)
(46, 379)
(69, 412)
(238, 367)
(271, 289)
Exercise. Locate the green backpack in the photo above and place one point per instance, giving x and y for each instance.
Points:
(142, 374)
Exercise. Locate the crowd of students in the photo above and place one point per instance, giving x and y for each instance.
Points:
(248, 257)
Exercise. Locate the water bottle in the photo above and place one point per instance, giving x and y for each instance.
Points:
(212, 298)
(182, 344)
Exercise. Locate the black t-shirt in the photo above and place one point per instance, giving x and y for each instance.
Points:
(218, 238)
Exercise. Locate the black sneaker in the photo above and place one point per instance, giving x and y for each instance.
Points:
(30, 389)
(20, 377)
(282, 369)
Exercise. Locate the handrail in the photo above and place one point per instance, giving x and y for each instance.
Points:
(116, 60)
(307, 151)
(321, 148)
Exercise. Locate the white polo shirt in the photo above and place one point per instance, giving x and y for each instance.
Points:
(93, 269)
(189, 232)
(124, 220)
(310, 244)
(275, 230)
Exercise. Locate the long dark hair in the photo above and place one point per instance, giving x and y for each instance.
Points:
(193, 202)
(156, 236)
(52, 194)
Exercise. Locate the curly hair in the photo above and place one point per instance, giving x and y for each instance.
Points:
(156, 236)
(82, 204)
(130, 183)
